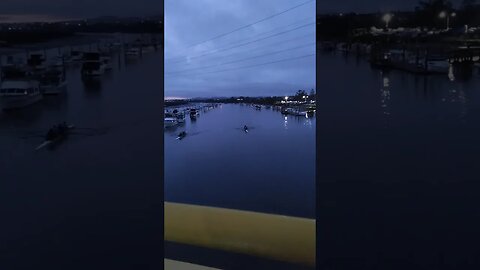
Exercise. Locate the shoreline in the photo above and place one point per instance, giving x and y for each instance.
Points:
(74, 40)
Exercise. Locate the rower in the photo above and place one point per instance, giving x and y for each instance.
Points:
(62, 128)
(51, 134)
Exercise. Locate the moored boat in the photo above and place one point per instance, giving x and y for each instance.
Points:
(53, 83)
(193, 113)
(169, 122)
(133, 52)
(15, 94)
(93, 68)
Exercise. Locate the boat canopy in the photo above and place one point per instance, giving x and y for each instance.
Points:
(18, 84)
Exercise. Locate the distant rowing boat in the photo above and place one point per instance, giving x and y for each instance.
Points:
(181, 135)
(58, 138)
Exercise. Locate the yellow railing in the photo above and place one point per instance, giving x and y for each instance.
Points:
(283, 238)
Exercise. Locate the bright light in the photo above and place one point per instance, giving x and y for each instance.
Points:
(442, 14)
(454, 14)
(387, 17)
(304, 96)
(286, 98)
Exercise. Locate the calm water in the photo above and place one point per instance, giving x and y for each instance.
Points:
(95, 201)
(397, 168)
(271, 169)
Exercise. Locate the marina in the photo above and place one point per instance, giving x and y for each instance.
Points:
(48, 68)
(69, 186)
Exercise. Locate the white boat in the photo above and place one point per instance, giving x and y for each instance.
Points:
(169, 122)
(175, 114)
(292, 111)
(16, 94)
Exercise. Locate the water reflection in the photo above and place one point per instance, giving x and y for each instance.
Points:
(427, 90)
(420, 167)
(56, 103)
(22, 118)
(451, 74)
(277, 149)
(308, 122)
(385, 97)
(92, 86)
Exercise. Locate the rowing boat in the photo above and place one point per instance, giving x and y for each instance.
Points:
(57, 139)
(181, 135)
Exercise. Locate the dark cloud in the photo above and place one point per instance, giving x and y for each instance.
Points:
(190, 22)
(80, 8)
(328, 6)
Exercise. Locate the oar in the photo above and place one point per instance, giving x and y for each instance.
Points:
(43, 145)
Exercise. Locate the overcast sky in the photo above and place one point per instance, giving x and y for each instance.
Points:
(191, 22)
(42, 10)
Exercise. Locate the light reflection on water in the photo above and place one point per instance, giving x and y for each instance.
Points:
(397, 154)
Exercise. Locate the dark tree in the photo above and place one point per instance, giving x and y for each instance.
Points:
(468, 4)
(428, 12)
(469, 12)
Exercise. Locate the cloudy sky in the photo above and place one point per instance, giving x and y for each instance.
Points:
(239, 63)
(48, 10)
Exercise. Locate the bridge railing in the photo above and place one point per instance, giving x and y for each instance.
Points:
(282, 238)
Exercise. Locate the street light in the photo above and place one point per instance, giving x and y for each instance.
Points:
(444, 15)
(305, 98)
(387, 18)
